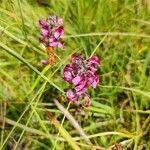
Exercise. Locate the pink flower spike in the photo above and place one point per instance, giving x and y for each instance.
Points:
(94, 60)
(81, 74)
(71, 96)
(87, 101)
(51, 30)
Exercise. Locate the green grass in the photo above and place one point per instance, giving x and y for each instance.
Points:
(115, 30)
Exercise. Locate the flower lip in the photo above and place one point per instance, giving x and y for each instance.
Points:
(44, 32)
(67, 76)
(58, 32)
(94, 60)
(77, 80)
(81, 88)
(95, 81)
(71, 95)
(61, 44)
(42, 23)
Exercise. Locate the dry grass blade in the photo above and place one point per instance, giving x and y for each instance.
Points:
(27, 129)
(72, 121)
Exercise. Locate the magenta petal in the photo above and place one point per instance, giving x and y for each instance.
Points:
(53, 44)
(92, 68)
(94, 60)
(87, 101)
(77, 80)
(90, 78)
(44, 32)
(68, 67)
(61, 45)
(42, 23)
(58, 32)
(81, 88)
(74, 58)
(67, 76)
(96, 81)
(61, 30)
(52, 39)
(82, 91)
(71, 96)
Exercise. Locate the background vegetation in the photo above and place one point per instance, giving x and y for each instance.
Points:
(119, 116)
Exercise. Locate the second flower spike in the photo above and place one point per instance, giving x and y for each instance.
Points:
(51, 31)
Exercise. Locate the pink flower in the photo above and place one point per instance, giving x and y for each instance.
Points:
(51, 30)
(58, 32)
(44, 32)
(77, 79)
(60, 44)
(67, 76)
(71, 95)
(53, 42)
(95, 81)
(81, 73)
(42, 23)
(81, 88)
(94, 60)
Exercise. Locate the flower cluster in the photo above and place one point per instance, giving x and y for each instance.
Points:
(51, 30)
(81, 73)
